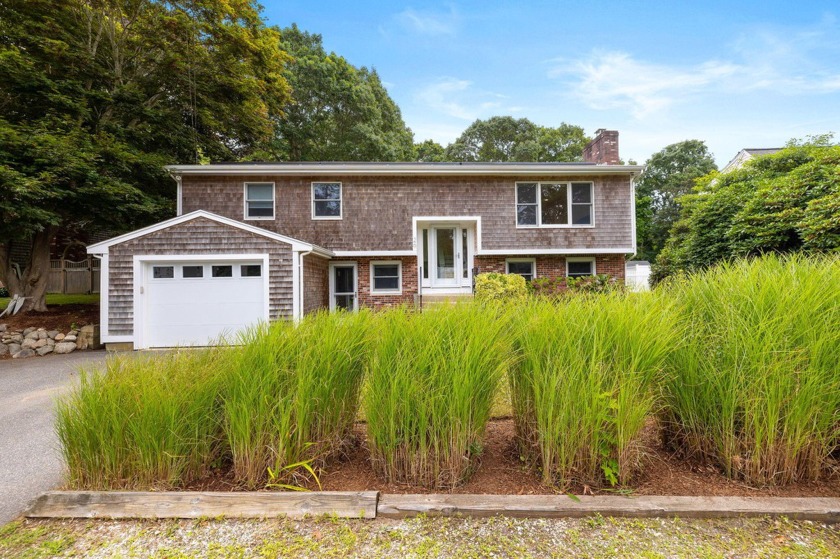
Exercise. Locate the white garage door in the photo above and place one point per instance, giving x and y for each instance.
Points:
(194, 303)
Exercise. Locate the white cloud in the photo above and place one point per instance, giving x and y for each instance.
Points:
(458, 98)
(617, 80)
(427, 23)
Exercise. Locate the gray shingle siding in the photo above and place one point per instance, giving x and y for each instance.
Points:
(378, 211)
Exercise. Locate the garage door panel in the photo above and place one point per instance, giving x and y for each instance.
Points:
(198, 311)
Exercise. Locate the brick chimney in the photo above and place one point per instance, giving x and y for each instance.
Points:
(603, 149)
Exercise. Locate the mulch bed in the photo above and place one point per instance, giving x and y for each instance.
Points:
(502, 473)
(57, 317)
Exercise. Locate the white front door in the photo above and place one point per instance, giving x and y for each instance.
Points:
(446, 256)
(343, 286)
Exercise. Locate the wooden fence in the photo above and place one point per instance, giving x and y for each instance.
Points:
(67, 276)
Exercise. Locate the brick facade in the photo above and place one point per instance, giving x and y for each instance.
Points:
(378, 301)
(553, 266)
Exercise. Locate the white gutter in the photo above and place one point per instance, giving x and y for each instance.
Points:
(403, 169)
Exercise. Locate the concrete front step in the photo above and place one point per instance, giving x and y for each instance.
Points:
(451, 299)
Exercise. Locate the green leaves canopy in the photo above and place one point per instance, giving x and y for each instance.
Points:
(503, 138)
(786, 202)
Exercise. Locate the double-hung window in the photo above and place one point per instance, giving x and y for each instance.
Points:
(326, 200)
(259, 200)
(386, 277)
(525, 267)
(554, 204)
(579, 267)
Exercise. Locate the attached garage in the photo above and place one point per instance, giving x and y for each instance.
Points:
(197, 302)
(196, 280)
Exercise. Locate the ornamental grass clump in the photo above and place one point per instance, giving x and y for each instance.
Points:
(291, 394)
(142, 421)
(587, 382)
(756, 384)
(431, 382)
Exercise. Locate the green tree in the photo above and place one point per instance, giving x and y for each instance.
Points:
(429, 151)
(784, 202)
(504, 138)
(98, 95)
(668, 175)
(338, 112)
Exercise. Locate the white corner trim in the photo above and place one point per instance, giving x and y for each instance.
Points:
(633, 214)
(297, 291)
(103, 296)
(102, 248)
(569, 251)
(139, 281)
(179, 196)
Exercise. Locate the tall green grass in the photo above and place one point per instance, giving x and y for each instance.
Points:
(587, 382)
(431, 383)
(291, 394)
(147, 421)
(756, 384)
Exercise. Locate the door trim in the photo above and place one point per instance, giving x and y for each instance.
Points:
(344, 264)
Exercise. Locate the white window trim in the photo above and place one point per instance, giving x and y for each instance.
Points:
(398, 263)
(273, 201)
(340, 215)
(532, 261)
(539, 224)
(580, 259)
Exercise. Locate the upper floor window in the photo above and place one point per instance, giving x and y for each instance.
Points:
(326, 200)
(259, 200)
(554, 204)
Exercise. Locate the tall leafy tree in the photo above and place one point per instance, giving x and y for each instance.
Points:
(429, 151)
(668, 175)
(504, 138)
(338, 112)
(784, 202)
(97, 95)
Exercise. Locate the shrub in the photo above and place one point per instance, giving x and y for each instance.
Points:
(756, 385)
(586, 384)
(500, 287)
(291, 395)
(430, 388)
(562, 286)
(144, 421)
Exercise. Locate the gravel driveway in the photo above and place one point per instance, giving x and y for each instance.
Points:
(30, 462)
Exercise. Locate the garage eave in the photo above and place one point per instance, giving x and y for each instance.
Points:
(297, 245)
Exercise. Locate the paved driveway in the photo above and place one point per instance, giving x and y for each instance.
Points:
(30, 461)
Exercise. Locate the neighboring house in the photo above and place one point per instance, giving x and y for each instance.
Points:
(745, 155)
(266, 241)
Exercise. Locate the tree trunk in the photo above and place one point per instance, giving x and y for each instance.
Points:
(33, 279)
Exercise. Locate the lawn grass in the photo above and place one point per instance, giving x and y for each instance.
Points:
(63, 299)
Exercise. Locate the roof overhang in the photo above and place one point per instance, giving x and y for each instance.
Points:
(297, 246)
(406, 169)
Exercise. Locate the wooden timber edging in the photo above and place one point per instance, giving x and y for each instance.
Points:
(195, 504)
(370, 505)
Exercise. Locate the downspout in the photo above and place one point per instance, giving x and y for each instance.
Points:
(300, 283)
(633, 215)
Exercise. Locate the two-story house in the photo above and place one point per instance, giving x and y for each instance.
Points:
(265, 241)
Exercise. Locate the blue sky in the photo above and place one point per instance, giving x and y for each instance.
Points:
(734, 74)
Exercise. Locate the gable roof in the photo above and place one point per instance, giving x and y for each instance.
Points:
(297, 245)
(745, 155)
(404, 169)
